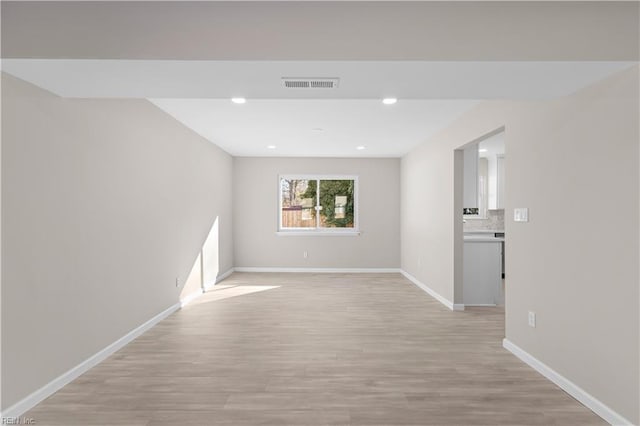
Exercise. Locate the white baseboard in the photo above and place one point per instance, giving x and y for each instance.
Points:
(321, 270)
(481, 305)
(50, 388)
(224, 275)
(22, 406)
(567, 385)
(446, 302)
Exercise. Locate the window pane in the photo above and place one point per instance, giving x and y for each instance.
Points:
(336, 201)
(298, 203)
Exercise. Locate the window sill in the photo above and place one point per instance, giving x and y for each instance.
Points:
(318, 233)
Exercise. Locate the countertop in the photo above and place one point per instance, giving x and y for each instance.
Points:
(483, 236)
(482, 239)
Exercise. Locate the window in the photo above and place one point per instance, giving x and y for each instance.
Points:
(318, 204)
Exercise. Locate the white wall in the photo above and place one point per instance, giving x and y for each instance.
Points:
(1, 379)
(427, 204)
(104, 204)
(256, 215)
(574, 162)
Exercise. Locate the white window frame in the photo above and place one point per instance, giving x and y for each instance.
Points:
(355, 231)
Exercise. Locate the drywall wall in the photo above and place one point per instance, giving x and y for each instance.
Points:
(1, 378)
(427, 201)
(256, 215)
(106, 202)
(574, 163)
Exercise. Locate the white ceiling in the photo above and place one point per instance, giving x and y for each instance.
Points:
(431, 95)
(262, 79)
(436, 57)
(317, 1)
(293, 125)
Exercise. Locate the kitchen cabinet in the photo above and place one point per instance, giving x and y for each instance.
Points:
(499, 182)
(470, 181)
(482, 271)
(495, 181)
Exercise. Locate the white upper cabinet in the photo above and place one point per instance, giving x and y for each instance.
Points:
(500, 159)
(493, 182)
(470, 185)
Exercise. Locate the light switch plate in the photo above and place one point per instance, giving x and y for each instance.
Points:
(521, 214)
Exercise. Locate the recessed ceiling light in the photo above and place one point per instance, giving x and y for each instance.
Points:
(389, 101)
(271, 147)
(317, 129)
(361, 147)
(239, 100)
(482, 150)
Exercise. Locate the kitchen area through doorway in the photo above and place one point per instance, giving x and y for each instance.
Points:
(483, 270)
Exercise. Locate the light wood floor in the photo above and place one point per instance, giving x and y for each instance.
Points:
(316, 349)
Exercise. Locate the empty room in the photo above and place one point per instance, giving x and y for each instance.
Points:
(320, 213)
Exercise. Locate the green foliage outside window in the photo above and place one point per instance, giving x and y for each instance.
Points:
(329, 190)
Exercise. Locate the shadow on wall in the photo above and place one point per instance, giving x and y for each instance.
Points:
(206, 267)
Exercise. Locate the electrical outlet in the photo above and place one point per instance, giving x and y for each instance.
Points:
(305, 254)
(532, 319)
(178, 284)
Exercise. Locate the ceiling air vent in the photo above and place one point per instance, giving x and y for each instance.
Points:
(310, 83)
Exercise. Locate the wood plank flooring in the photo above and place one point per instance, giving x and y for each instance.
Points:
(316, 349)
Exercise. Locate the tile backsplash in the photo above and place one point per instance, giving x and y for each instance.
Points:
(493, 222)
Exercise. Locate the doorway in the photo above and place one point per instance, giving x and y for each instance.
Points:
(479, 209)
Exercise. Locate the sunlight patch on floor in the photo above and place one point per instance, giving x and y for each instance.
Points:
(221, 292)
